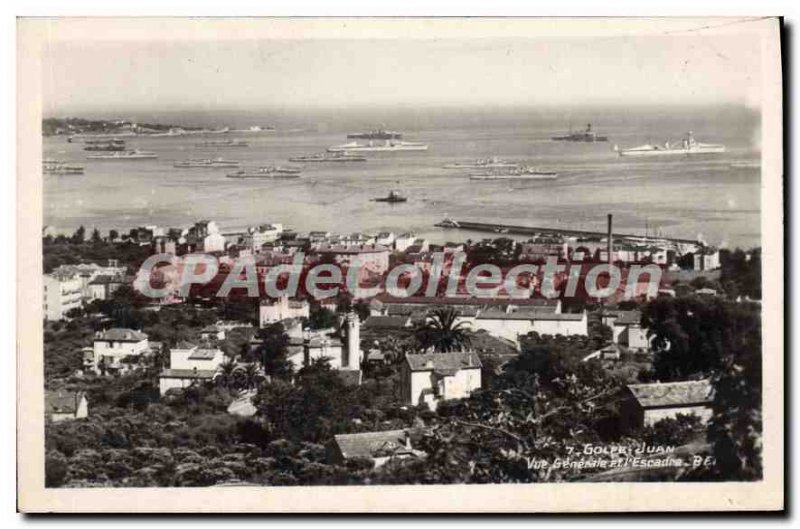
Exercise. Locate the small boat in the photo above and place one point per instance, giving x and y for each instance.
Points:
(329, 157)
(688, 147)
(393, 197)
(387, 146)
(518, 173)
(214, 163)
(124, 155)
(275, 172)
(483, 163)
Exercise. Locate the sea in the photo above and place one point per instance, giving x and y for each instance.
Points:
(713, 197)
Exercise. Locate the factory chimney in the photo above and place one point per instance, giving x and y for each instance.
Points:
(610, 241)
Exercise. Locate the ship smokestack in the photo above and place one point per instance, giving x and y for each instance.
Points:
(610, 241)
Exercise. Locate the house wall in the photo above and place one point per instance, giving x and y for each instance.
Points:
(179, 359)
(503, 328)
(117, 351)
(636, 338)
(653, 415)
(330, 351)
(61, 296)
(167, 383)
(564, 327)
(460, 385)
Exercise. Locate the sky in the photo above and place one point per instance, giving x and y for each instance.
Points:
(161, 74)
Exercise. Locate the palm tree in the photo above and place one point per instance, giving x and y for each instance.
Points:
(226, 370)
(442, 333)
(251, 375)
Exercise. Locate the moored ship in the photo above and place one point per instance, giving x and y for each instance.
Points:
(586, 136)
(267, 172)
(57, 167)
(387, 146)
(110, 145)
(340, 156)
(222, 143)
(483, 163)
(687, 147)
(393, 198)
(214, 163)
(124, 155)
(379, 134)
(519, 173)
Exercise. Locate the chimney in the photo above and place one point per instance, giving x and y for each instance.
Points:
(610, 241)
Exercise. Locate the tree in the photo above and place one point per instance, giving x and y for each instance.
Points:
(79, 235)
(273, 351)
(251, 376)
(113, 235)
(321, 318)
(441, 332)
(226, 373)
(96, 238)
(55, 469)
(691, 336)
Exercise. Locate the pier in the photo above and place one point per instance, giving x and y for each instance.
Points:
(536, 230)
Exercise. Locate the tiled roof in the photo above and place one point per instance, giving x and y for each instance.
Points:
(188, 373)
(672, 393)
(62, 401)
(183, 344)
(443, 361)
(204, 354)
(122, 335)
(628, 317)
(386, 322)
(373, 444)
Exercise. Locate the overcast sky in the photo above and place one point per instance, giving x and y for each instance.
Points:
(693, 68)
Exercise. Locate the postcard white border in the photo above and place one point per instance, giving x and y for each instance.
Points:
(560, 497)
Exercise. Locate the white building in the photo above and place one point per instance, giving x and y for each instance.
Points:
(402, 242)
(189, 364)
(258, 236)
(385, 238)
(62, 292)
(272, 311)
(433, 377)
(65, 405)
(627, 331)
(117, 351)
(372, 258)
(511, 322)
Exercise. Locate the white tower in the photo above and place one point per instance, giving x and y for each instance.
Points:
(352, 358)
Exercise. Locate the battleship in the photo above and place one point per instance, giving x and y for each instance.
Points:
(687, 147)
(329, 157)
(276, 172)
(483, 163)
(379, 134)
(222, 143)
(519, 173)
(124, 155)
(587, 136)
(110, 145)
(214, 163)
(57, 167)
(393, 198)
(387, 146)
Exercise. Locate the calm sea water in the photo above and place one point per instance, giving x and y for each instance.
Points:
(677, 197)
